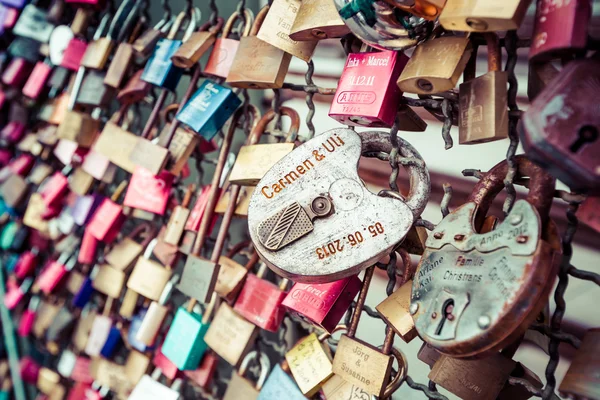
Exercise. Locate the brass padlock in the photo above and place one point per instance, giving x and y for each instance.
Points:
(483, 115)
(395, 312)
(180, 148)
(241, 388)
(80, 182)
(277, 26)
(178, 218)
(148, 277)
(435, 65)
(78, 127)
(232, 275)
(258, 64)
(109, 280)
(255, 160)
(243, 200)
(190, 51)
(317, 20)
(123, 254)
(230, 335)
(483, 15)
(116, 143)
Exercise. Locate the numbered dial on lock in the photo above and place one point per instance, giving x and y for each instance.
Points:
(313, 220)
(472, 291)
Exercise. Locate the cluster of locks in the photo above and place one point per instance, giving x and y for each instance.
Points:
(102, 229)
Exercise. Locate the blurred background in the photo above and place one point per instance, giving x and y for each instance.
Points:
(445, 166)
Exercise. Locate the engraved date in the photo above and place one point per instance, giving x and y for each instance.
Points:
(351, 240)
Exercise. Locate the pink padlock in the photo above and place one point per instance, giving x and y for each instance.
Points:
(16, 72)
(73, 54)
(5, 156)
(36, 82)
(12, 132)
(54, 189)
(30, 370)
(28, 317)
(26, 263)
(13, 297)
(149, 192)
(87, 250)
(54, 272)
(165, 365)
(106, 221)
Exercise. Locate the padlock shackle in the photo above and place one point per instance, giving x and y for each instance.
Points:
(420, 183)
(260, 17)
(400, 376)
(264, 367)
(269, 116)
(176, 25)
(144, 228)
(249, 20)
(494, 56)
(208, 26)
(541, 188)
(360, 302)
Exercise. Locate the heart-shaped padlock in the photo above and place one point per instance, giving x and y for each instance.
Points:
(476, 293)
(313, 220)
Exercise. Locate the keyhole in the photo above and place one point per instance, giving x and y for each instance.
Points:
(587, 134)
(446, 315)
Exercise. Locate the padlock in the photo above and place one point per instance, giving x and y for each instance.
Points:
(135, 90)
(16, 72)
(519, 392)
(446, 298)
(260, 301)
(483, 16)
(12, 133)
(182, 145)
(149, 192)
(208, 110)
(33, 214)
(13, 190)
(560, 29)
(353, 237)
(47, 380)
(230, 335)
(395, 312)
(566, 145)
(73, 54)
(473, 379)
(59, 41)
(241, 388)
(166, 253)
(367, 93)
(165, 365)
(13, 297)
(148, 277)
(581, 380)
(32, 24)
(317, 20)
(360, 363)
(99, 331)
(36, 82)
(123, 254)
(59, 329)
(108, 280)
(54, 272)
(435, 65)
(428, 9)
(199, 278)
(119, 65)
(80, 182)
(336, 388)
(135, 366)
(55, 188)
(78, 127)
(231, 274)
(154, 317)
(148, 388)
(258, 64)
(99, 49)
(93, 92)
(203, 376)
(280, 385)
(538, 77)
(322, 304)
(99, 167)
(116, 143)
(277, 26)
(221, 58)
(145, 44)
(197, 44)
(255, 160)
(25, 48)
(243, 200)
(178, 219)
(160, 70)
(309, 363)
(27, 263)
(184, 344)
(483, 115)
(84, 207)
(108, 218)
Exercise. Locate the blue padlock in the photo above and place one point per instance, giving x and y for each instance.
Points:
(184, 345)
(11, 262)
(209, 108)
(83, 296)
(280, 385)
(113, 342)
(160, 70)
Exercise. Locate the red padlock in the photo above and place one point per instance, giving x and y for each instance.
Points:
(207, 146)
(73, 54)
(5, 156)
(28, 317)
(26, 263)
(54, 189)
(149, 192)
(81, 371)
(36, 83)
(11, 17)
(12, 132)
(2, 98)
(30, 370)
(19, 166)
(87, 250)
(54, 272)
(367, 93)
(204, 374)
(165, 365)
(560, 29)
(322, 304)
(260, 301)
(65, 150)
(106, 222)
(16, 72)
(589, 212)
(194, 220)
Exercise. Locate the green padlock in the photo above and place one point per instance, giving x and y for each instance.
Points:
(8, 235)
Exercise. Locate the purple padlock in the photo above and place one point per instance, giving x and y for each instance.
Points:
(18, 4)
(84, 207)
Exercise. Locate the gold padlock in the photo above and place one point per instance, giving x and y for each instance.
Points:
(78, 127)
(395, 312)
(435, 65)
(317, 20)
(483, 15)
(483, 115)
(258, 64)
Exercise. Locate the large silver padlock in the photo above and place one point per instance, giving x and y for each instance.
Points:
(313, 220)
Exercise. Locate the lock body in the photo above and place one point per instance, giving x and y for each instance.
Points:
(462, 272)
(317, 20)
(580, 380)
(184, 344)
(221, 58)
(93, 92)
(260, 303)
(33, 24)
(190, 52)
(97, 53)
(149, 192)
(116, 144)
(567, 146)
(208, 109)
(36, 82)
(322, 304)
(310, 364)
(428, 9)
(78, 127)
(119, 66)
(16, 72)
(73, 54)
(107, 221)
(483, 15)
(395, 312)
(560, 29)
(135, 89)
(435, 65)
(160, 70)
(367, 91)
(280, 385)
(254, 161)
(148, 278)
(203, 376)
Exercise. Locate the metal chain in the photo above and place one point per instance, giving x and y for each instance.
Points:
(309, 99)
(214, 15)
